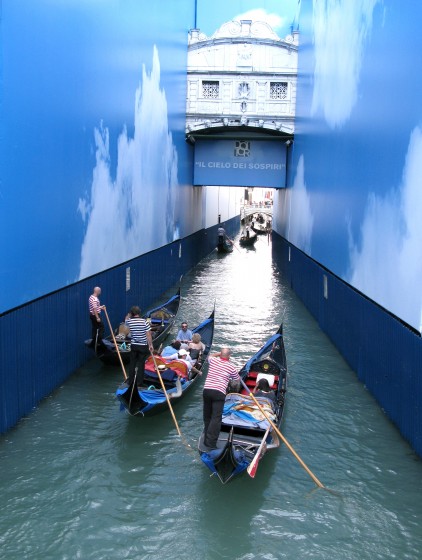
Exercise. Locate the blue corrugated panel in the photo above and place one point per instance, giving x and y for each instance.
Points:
(385, 353)
(42, 342)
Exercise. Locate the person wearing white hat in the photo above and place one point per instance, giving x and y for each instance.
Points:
(183, 356)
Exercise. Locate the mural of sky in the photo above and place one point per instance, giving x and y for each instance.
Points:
(121, 212)
(355, 206)
(340, 30)
(393, 221)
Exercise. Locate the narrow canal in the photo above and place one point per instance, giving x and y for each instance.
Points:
(81, 479)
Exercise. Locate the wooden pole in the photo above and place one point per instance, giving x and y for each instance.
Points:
(166, 394)
(115, 343)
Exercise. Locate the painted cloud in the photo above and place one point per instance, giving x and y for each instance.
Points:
(120, 213)
(340, 28)
(387, 264)
(292, 213)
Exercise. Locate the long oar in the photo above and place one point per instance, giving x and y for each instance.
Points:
(115, 343)
(253, 466)
(166, 394)
(234, 244)
(277, 431)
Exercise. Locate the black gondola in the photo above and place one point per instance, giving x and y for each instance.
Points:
(260, 229)
(248, 238)
(150, 400)
(224, 245)
(245, 431)
(161, 318)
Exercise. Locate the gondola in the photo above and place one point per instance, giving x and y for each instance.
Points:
(247, 238)
(245, 431)
(150, 399)
(224, 245)
(260, 229)
(161, 318)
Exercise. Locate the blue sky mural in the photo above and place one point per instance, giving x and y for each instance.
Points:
(92, 139)
(356, 200)
(121, 209)
(91, 93)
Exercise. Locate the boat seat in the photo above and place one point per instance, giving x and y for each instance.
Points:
(179, 367)
(254, 377)
(149, 363)
(268, 376)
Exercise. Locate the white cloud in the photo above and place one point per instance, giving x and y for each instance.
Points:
(274, 20)
(387, 264)
(292, 213)
(122, 213)
(340, 28)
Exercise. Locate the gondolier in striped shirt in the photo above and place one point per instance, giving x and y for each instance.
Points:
(95, 308)
(220, 372)
(140, 344)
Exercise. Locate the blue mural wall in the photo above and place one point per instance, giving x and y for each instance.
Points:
(356, 184)
(92, 139)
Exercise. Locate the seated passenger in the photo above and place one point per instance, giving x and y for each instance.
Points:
(170, 352)
(184, 357)
(196, 347)
(184, 334)
(263, 389)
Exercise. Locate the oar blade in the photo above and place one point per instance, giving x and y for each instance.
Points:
(253, 467)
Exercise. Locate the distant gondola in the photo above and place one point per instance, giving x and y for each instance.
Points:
(260, 229)
(161, 318)
(224, 245)
(247, 238)
(244, 430)
(150, 400)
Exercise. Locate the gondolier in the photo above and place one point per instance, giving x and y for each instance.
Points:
(140, 345)
(220, 372)
(97, 324)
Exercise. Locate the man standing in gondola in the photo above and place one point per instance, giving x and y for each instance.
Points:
(95, 308)
(220, 373)
(140, 344)
(221, 232)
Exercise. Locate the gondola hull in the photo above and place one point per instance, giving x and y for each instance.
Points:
(247, 241)
(245, 431)
(151, 400)
(161, 318)
(224, 246)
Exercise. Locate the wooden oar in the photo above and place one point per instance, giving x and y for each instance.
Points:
(277, 431)
(253, 466)
(233, 243)
(115, 343)
(166, 394)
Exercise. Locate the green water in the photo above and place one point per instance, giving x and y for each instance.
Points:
(81, 479)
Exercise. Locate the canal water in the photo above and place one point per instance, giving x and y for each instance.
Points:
(82, 480)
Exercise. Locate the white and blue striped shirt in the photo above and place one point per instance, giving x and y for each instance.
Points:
(138, 330)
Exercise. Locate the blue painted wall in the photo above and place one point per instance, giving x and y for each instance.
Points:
(56, 325)
(350, 216)
(95, 177)
(384, 351)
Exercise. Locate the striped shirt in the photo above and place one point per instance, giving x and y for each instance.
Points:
(138, 330)
(94, 305)
(219, 374)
